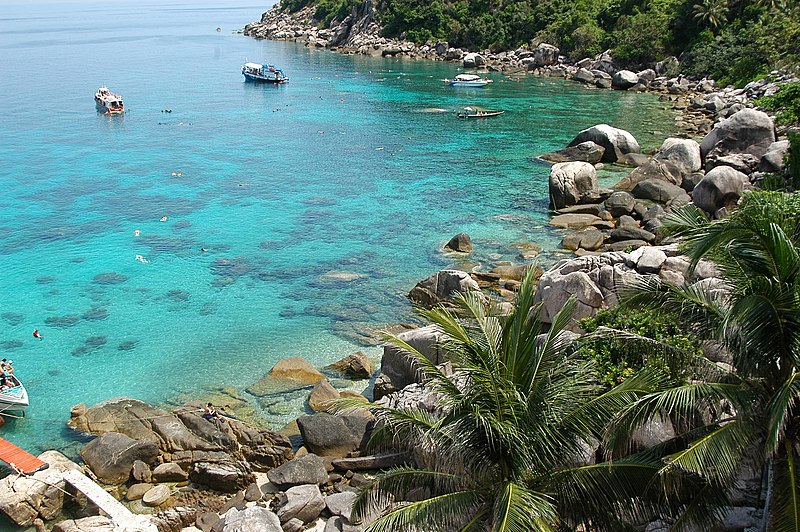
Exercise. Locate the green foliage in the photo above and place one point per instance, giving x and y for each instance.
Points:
(333, 10)
(754, 314)
(785, 102)
(504, 448)
(619, 358)
(732, 41)
(793, 161)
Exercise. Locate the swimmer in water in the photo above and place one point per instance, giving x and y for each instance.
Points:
(163, 219)
(137, 233)
(174, 174)
(202, 250)
(38, 335)
(142, 259)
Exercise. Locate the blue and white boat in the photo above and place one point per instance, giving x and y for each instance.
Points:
(13, 395)
(265, 73)
(468, 80)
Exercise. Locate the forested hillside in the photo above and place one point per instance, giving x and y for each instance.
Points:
(732, 41)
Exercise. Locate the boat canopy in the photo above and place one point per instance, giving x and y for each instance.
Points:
(253, 65)
(467, 77)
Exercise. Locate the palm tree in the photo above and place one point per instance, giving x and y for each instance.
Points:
(511, 444)
(712, 12)
(755, 315)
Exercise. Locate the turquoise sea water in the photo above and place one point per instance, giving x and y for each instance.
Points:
(347, 168)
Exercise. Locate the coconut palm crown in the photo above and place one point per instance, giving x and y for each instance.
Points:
(740, 417)
(510, 445)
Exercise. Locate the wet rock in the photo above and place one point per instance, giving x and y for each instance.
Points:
(308, 469)
(356, 366)
(296, 369)
(111, 456)
(461, 243)
(441, 287)
(616, 142)
(322, 396)
(585, 151)
(569, 181)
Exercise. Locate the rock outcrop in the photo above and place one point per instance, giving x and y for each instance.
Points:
(616, 142)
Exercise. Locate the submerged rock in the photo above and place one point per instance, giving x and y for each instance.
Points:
(110, 278)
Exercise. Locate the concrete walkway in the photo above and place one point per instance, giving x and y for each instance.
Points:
(124, 520)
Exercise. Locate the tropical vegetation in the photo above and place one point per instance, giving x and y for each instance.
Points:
(512, 442)
(731, 40)
(741, 417)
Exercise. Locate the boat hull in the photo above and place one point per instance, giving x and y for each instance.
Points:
(264, 79)
(14, 399)
(468, 83)
(103, 107)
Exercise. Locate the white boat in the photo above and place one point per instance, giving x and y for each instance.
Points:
(108, 102)
(265, 73)
(468, 80)
(13, 396)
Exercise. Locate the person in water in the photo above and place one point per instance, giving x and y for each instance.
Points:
(36, 334)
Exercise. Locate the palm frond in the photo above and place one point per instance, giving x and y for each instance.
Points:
(785, 514)
(518, 509)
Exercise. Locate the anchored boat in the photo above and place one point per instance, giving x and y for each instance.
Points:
(108, 102)
(468, 80)
(471, 112)
(265, 73)
(13, 395)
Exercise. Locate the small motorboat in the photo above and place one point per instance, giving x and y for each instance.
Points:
(108, 102)
(13, 395)
(471, 112)
(468, 80)
(265, 73)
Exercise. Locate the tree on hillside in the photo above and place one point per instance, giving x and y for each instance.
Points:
(511, 444)
(714, 13)
(745, 414)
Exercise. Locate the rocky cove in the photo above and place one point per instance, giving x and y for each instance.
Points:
(193, 473)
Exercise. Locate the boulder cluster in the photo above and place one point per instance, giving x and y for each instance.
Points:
(712, 174)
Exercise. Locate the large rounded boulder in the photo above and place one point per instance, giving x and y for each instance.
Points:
(624, 80)
(617, 142)
(747, 131)
(111, 456)
(545, 54)
(721, 187)
(569, 181)
(441, 288)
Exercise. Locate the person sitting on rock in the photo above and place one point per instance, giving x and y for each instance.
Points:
(209, 412)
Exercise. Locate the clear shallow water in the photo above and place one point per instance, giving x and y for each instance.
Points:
(348, 168)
